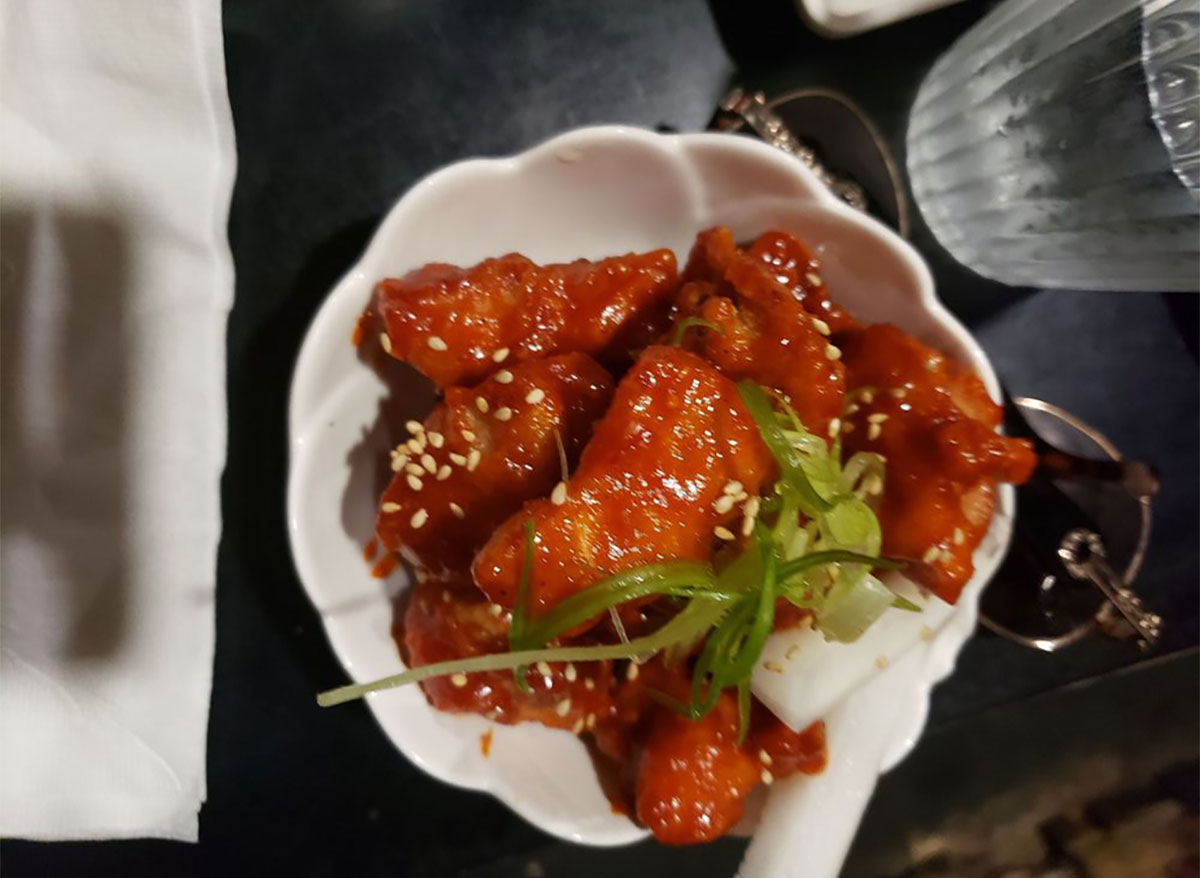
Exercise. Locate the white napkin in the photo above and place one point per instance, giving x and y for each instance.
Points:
(116, 168)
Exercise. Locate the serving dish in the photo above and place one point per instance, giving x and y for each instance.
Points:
(591, 193)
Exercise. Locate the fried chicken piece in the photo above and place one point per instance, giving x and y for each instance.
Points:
(455, 324)
(445, 621)
(935, 424)
(686, 780)
(673, 439)
(764, 328)
(484, 451)
(793, 264)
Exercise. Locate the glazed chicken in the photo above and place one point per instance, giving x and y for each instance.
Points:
(770, 321)
(482, 452)
(646, 489)
(936, 425)
(455, 325)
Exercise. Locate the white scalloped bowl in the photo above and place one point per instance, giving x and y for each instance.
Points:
(589, 193)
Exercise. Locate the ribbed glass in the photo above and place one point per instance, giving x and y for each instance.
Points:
(1057, 144)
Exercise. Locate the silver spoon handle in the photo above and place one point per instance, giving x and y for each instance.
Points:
(1082, 553)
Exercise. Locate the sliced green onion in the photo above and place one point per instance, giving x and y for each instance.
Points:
(789, 459)
(698, 616)
(846, 615)
(687, 323)
(764, 613)
(788, 569)
(743, 703)
(628, 585)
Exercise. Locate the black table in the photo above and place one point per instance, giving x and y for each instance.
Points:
(339, 106)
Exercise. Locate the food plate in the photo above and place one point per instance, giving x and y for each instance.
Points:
(591, 193)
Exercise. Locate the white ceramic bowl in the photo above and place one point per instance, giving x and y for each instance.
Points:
(590, 193)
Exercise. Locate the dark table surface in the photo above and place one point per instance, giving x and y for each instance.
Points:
(339, 106)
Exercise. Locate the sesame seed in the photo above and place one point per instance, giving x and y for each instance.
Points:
(739, 497)
(874, 431)
(931, 554)
(459, 680)
(415, 446)
(877, 418)
(495, 609)
(504, 413)
(414, 427)
(723, 533)
(589, 684)
(791, 652)
(500, 356)
(723, 504)
(820, 326)
(898, 392)
(398, 463)
(414, 469)
(415, 482)
(813, 278)
(570, 673)
(504, 377)
(773, 667)
(559, 495)
(385, 342)
(436, 343)
(591, 721)
(419, 518)
(631, 672)
(926, 633)
(833, 352)
(444, 472)
(747, 525)
(544, 669)
(535, 396)
(457, 510)
(437, 440)
(752, 507)
(834, 426)
(578, 727)
(481, 404)
(848, 426)
(429, 463)
(959, 536)
(563, 707)
(390, 507)
(468, 435)
(473, 459)
(851, 409)
(764, 757)
(867, 395)
(458, 459)
(733, 487)
(881, 661)
(767, 777)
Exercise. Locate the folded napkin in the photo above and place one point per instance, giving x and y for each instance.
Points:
(116, 168)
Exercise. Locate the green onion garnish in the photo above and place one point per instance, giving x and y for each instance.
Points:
(814, 542)
(687, 323)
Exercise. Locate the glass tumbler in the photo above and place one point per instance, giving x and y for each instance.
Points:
(1057, 144)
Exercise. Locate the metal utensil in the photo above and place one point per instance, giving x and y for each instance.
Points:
(1082, 553)
(1047, 594)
